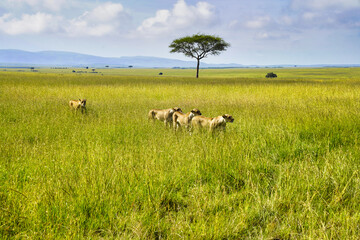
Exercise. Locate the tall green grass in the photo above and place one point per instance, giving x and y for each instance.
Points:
(287, 168)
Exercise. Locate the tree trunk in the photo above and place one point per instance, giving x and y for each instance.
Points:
(197, 68)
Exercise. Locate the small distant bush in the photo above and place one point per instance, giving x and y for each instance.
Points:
(271, 75)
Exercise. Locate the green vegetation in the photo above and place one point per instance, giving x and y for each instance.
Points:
(287, 168)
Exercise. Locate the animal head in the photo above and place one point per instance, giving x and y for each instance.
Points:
(228, 118)
(82, 102)
(196, 112)
(177, 109)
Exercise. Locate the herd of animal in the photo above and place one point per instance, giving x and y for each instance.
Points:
(175, 118)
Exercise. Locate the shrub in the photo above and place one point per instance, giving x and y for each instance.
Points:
(271, 75)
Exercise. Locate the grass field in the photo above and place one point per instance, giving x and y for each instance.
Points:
(287, 168)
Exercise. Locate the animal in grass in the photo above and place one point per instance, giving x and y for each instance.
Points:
(184, 120)
(211, 124)
(163, 115)
(78, 105)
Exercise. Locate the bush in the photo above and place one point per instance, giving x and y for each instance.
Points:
(271, 75)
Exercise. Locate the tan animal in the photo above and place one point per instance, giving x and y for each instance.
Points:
(163, 115)
(212, 124)
(78, 104)
(184, 120)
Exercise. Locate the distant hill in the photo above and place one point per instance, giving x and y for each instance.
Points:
(19, 58)
(13, 58)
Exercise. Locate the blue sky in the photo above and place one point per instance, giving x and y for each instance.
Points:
(259, 31)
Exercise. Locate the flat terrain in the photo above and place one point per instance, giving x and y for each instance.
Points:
(287, 168)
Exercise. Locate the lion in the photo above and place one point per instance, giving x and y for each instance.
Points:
(163, 115)
(78, 104)
(183, 120)
(212, 124)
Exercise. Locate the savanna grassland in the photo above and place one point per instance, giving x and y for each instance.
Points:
(287, 168)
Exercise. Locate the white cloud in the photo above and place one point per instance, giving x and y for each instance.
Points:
(233, 24)
(53, 5)
(308, 16)
(83, 28)
(324, 4)
(286, 20)
(36, 23)
(260, 22)
(103, 20)
(330, 14)
(104, 13)
(263, 35)
(182, 16)
(319, 20)
(271, 36)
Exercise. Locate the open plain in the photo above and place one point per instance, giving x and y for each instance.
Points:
(286, 168)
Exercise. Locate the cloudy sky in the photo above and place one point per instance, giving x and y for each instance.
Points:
(259, 31)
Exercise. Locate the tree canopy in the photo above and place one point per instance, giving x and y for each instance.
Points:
(199, 46)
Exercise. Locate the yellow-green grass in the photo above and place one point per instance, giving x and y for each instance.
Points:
(287, 168)
(310, 74)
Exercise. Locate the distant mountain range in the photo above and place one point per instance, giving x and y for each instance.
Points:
(14, 58)
(19, 58)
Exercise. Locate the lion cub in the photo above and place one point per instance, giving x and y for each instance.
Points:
(163, 115)
(78, 104)
(212, 124)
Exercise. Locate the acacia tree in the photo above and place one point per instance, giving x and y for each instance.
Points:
(199, 46)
